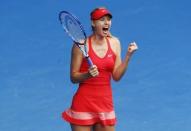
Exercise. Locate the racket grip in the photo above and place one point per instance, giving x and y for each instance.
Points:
(90, 63)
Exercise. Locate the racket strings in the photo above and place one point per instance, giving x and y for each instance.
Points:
(73, 28)
(76, 33)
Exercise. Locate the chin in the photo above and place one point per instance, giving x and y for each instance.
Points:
(105, 35)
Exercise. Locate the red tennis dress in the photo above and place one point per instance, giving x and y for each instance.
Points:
(93, 102)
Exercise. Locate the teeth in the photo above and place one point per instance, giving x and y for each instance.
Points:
(105, 29)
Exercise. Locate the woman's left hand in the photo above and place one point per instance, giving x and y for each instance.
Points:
(132, 47)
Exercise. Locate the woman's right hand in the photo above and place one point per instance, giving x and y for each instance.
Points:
(93, 71)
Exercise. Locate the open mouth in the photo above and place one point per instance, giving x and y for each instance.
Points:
(105, 30)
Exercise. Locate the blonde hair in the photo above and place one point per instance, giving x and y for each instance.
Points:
(93, 29)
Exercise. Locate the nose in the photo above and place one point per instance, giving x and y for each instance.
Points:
(106, 21)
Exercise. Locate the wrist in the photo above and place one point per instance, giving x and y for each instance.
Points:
(129, 54)
(88, 75)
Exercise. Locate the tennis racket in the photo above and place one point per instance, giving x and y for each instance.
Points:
(76, 32)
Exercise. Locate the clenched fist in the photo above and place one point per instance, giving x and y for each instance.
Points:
(132, 47)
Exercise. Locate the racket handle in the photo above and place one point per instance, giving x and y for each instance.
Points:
(90, 63)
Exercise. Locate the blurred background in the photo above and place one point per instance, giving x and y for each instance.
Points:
(153, 95)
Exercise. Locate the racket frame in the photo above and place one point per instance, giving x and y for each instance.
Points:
(81, 46)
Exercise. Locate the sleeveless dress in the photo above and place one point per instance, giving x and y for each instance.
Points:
(93, 103)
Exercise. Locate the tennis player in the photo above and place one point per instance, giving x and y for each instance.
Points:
(92, 107)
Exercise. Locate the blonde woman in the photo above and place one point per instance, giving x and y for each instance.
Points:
(92, 105)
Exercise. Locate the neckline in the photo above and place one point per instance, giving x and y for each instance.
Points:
(91, 48)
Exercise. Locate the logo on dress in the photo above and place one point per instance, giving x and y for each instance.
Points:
(109, 55)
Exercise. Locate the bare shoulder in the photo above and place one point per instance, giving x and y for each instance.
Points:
(74, 47)
(115, 44)
(76, 50)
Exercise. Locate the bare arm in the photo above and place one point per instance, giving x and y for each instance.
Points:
(121, 66)
(76, 60)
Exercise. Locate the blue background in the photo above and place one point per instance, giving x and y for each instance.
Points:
(153, 95)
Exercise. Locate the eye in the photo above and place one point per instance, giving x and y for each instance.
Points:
(105, 18)
(109, 18)
(102, 19)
